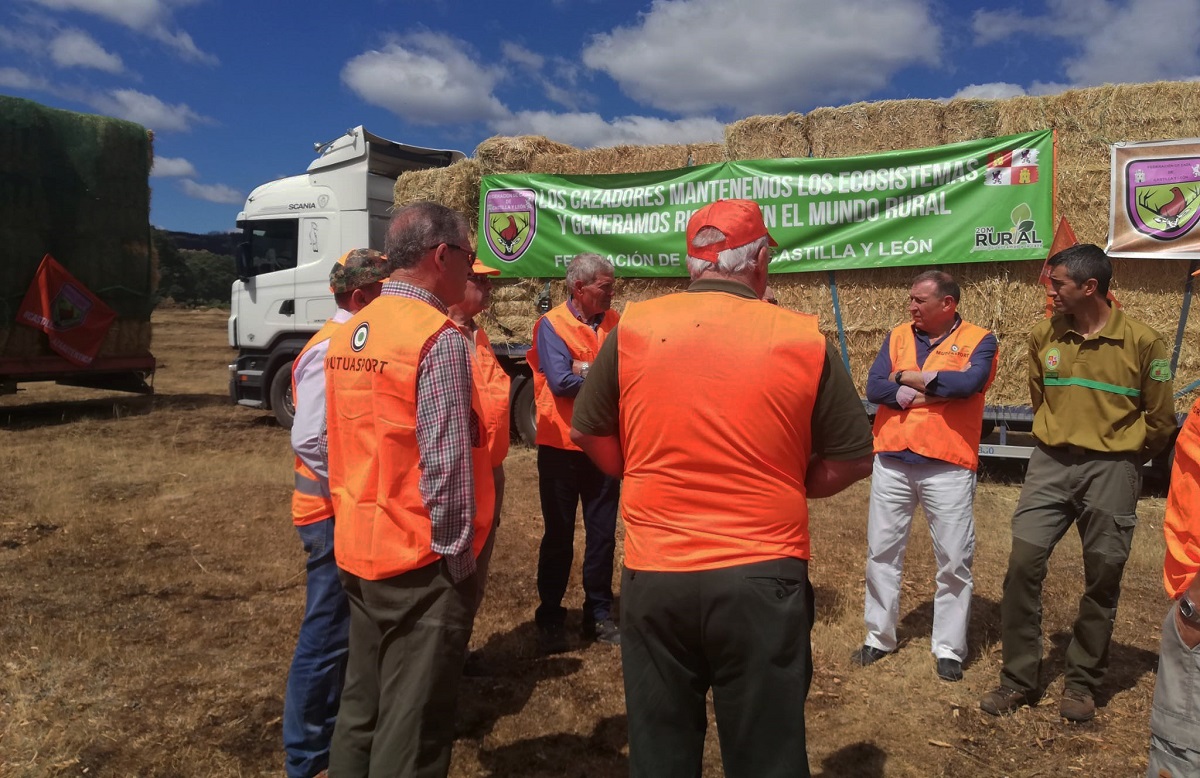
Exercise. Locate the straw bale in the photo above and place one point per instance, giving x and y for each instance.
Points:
(768, 137)
(627, 159)
(501, 154)
(969, 119)
(1026, 113)
(26, 342)
(1083, 197)
(1166, 109)
(456, 186)
(1084, 125)
(869, 128)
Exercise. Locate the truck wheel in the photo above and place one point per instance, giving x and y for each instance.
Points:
(524, 414)
(282, 402)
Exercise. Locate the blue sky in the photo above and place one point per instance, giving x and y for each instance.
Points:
(237, 92)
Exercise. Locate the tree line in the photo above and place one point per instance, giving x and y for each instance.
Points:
(192, 277)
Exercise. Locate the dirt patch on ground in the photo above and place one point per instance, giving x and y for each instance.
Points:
(151, 585)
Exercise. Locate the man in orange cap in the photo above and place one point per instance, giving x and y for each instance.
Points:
(314, 685)
(717, 473)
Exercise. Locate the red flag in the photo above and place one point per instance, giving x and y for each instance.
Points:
(75, 319)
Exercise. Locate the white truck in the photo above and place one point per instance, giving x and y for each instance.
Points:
(293, 230)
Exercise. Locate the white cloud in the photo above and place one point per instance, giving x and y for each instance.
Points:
(12, 78)
(147, 110)
(998, 90)
(522, 56)
(755, 56)
(1107, 41)
(75, 48)
(21, 41)
(213, 193)
(585, 130)
(168, 167)
(426, 78)
(152, 18)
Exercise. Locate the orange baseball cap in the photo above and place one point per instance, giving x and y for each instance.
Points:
(740, 221)
(480, 269)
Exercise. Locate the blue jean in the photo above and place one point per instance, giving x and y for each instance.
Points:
(566, 478)
(314, 684)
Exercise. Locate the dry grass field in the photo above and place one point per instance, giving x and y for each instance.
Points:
(151, 585)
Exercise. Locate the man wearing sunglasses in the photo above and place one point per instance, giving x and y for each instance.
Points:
(410, 475)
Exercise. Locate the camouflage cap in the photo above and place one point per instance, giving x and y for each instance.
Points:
(357, 268)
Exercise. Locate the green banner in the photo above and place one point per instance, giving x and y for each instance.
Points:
(977, 201)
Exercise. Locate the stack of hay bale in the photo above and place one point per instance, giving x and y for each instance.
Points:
(1003, 296)
(75, 186)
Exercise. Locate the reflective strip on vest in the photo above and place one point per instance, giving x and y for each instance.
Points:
(1088, 383)
(583, 343)
(310, 505)
(716, 399)
(313, 487)
(946, 431)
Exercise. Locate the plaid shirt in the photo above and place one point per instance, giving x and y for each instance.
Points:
(447, 428)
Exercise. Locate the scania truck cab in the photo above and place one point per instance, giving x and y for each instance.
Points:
(293, 230)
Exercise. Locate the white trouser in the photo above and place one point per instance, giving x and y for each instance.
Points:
(947, 494)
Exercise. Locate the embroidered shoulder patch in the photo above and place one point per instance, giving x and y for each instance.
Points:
(1160, 370)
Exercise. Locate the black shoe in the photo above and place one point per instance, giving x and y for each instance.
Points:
(949, 669)
(552, 639)
(868, 655)
(603, 631)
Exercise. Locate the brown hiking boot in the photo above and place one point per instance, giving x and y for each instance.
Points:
(1077, 705)
(1002, 701)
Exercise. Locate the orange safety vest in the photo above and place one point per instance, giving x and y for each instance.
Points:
(383, 527)
(310, 497)
(493, 385)
(554, 412)
(1181, 525)
(716, 400)
(947, 431)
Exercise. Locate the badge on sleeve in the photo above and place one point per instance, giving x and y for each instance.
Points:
(1160, 370)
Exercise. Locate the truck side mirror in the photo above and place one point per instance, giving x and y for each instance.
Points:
(241, 261)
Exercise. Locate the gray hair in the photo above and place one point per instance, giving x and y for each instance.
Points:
(946, 285)
(585, 267)
(730, 262)
(416, 228)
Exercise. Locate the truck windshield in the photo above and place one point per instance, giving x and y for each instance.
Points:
(268, 245)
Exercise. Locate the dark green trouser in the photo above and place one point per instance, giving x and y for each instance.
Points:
(408, 640)
(1098, 493)
(744, 632)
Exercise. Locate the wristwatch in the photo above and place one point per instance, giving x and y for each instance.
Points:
(583, 369)
(1188, 610)
(899, 373)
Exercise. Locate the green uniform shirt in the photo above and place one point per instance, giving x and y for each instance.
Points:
(1111, 392)
(840, 429)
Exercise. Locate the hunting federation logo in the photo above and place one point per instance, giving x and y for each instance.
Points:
(1161, 196)
(510, 216)
(70, 307)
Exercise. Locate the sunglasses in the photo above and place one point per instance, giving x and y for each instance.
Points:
(468, 252)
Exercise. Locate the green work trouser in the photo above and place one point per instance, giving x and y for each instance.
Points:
(1098, 493)
(408, 641)
(742, 631)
